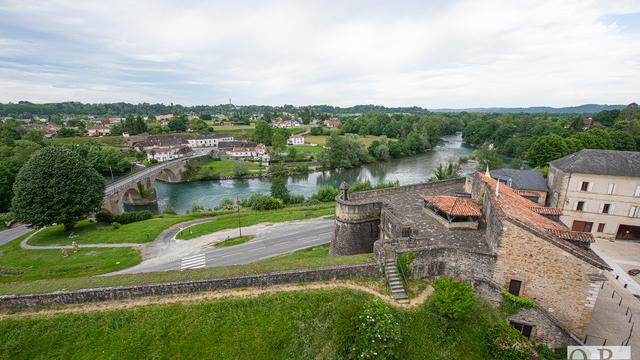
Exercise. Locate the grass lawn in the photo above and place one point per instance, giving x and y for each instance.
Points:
(307, 258)
(234, 241)
(289, 325)
(96, 233)
(308, 149)
(17, 264)
(233, 127)
(105, 140)
(225, 168)
(248, 218)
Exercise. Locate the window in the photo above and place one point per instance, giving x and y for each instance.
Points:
(525, 329)
(584, 186)
(612, 189)
(606, 208)
(633, 211)
(514, 287)
(637, 193)
(601, 227)
(580, 206)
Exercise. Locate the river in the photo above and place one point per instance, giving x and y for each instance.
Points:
(409, 170)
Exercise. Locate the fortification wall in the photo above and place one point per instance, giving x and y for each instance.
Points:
(356, 228)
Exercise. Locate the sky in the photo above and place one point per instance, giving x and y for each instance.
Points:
(434, 54)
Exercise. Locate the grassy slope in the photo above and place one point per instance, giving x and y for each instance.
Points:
(255, 217)
(225, 168)
(295, 325)
(23, 265)
(90, 233)
(308, 258)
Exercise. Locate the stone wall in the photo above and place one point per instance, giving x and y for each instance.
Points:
(457, 263)
(552, 277)
(356, 228)
(344, 272)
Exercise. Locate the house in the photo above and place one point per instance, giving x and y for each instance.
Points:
(226, 145)
(332, 123)
(598, 192)
(489, 236)
(160, 140)
(161, 118)
(209, 140)
(99, 130)
(242, 152)
(295, 140)
(587, 123)
(529, 184)
(166, 153)
(285, 124)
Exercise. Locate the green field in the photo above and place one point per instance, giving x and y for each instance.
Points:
(322, 139)
(97, 233)
(248, 218)
(225, 168)
(17, 264)
(288, 325)
(308, 148)
(307, 258)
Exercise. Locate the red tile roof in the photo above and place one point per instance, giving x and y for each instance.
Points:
(572, 235)
(546, 211)
(454, 205)
(526, 192)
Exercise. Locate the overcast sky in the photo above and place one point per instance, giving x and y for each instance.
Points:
(394, 53)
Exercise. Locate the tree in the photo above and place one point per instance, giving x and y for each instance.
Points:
(262, 133)
(622, 140)
(279, 189)
(630, 112)
(35, 135)
(445, 172)
(292, 153)
(279, 138)
(66, 132)
(178, 124)
(240, 169)
(343, 152)
(487, 154)
(56, 186)
(547, 148)
(453, 299)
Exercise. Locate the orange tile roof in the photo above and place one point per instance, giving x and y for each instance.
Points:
(454, 205)
(526, 192)
(572, 235)
(549, 211)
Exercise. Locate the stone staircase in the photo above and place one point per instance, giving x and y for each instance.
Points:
(394, 281)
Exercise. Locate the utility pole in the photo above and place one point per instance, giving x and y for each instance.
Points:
(238, 204)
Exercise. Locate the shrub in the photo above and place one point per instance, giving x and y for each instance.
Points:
(240, 169)
(104, 216)
(115, 226)
(366, 185)
(226, 204)
(195, 208)
(279, 189)
(377, 334)
(133, 216)
(403, 263)
(507, 343)
(263, 202)
(453, 299)
(511, 304)
(296, 199)
(313, 202)
(325, 194)
(277, 170)
(169, 210)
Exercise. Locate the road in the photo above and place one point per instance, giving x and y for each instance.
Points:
(14, 232)
(271, 240)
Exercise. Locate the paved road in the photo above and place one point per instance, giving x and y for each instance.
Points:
(14, 232)
(271, 240)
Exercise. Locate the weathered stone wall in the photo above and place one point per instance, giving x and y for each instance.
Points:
(557, 181)
(343, 272)
(553, 278)
(356, 228)
(452, 262)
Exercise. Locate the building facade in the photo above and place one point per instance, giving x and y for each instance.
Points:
(295, 140)
(209, 140)
(598, 192)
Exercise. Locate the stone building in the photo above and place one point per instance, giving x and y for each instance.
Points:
(527, 183)
(598, 192)
(489, 236)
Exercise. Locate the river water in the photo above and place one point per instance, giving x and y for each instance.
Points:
(410, 170)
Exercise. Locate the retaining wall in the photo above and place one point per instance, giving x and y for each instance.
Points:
(343, 272)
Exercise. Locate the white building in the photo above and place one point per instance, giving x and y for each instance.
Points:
(295, 140)
(166, 153)
(598, 192)
(99, 131)
(209, 140)
(285, 124)
(242, 152)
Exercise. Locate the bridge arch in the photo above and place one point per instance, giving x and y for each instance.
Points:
(131, 196)
(168, 175)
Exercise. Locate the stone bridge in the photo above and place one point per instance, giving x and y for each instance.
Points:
(138, 189)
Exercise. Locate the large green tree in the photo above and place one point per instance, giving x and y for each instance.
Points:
(547, 148)
(279, 189)
(56, 186)
(262, 134)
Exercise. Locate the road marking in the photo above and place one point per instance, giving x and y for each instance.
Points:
(193, 262)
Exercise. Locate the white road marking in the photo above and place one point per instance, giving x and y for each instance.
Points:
(193, 262)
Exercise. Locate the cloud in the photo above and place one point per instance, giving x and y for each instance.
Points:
(431, 54)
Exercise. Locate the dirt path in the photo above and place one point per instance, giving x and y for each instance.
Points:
(213, 295)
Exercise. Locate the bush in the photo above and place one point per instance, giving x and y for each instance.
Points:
(226, 204)
(403, 263)
(511, 304)
(133, 216)
(296, 199)
(453, 299)
(263, 202)
(326, 194)
(115, 226)
(240, 169)
(169, 210)
(507, 343)
(104, 216)
(195, 208)
(366, 185)
(377, 333)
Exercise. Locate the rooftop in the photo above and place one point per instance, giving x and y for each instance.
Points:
(521, 179)
(454, 205)
(601, 162)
